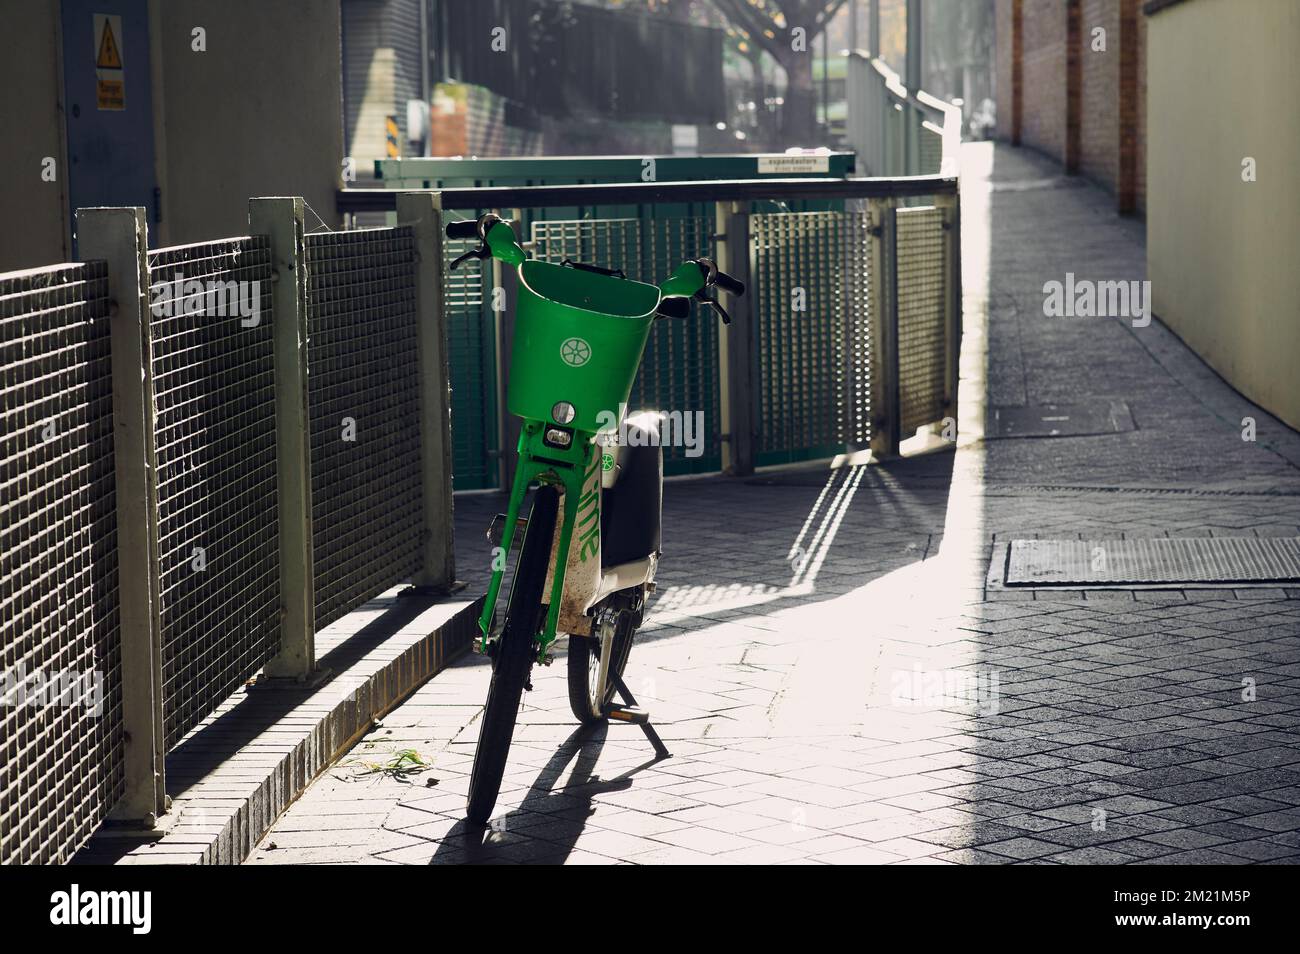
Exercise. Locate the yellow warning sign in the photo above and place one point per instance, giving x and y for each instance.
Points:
(110, 72)
(110, 94)
(109, 58)
(392, 145)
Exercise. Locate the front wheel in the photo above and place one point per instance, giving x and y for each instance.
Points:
(514, 657)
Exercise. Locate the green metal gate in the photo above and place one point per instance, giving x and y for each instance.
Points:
(680, 371)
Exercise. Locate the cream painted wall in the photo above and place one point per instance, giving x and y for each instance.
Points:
(1223, 255)
(259, 114)
(35, 231)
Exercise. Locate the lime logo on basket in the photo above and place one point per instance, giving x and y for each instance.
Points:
(575, 352)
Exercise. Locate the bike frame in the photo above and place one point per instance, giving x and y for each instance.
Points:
(538, 379)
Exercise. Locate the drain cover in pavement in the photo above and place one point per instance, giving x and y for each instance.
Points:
(1063, 420)
(1156, 560)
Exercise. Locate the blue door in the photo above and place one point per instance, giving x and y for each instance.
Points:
(108, 105)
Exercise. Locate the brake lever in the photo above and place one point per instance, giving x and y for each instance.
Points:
(480, 253)
(715, 305)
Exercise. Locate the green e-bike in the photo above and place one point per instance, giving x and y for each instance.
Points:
(590, 543)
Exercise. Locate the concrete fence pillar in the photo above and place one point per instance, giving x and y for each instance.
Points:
(281, 220)
(422, 211)
(119, 238)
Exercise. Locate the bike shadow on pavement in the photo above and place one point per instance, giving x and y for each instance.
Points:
(553, 814)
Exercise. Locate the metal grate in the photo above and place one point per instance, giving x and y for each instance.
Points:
(61, 770)
(922, 352)
(471, 350)
(214, 447)
(858, 351)
(810, 305)
(679, 371)
(929, 139)
(1222, 560)
(363, 389)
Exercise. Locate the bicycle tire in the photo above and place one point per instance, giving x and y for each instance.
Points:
(584, 652)
(514, 658)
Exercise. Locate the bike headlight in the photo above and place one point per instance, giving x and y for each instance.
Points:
(563, 412)
(557, 437)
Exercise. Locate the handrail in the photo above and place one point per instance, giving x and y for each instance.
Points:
(888, 121)
(637, 193)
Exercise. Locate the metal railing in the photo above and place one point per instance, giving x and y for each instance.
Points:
(213, 387)
(849, 336)
(61, 757)
(364, 392)
(209, 452)
(190, 493)
(896, 131)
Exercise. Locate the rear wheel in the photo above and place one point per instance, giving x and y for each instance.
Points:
(584, 665)
(515, 651)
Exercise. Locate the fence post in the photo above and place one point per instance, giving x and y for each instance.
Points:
(885, 423)
(736, 343)
(118, 237)
(281, 220)
(423, 212)
(950, 206)
(503, 328)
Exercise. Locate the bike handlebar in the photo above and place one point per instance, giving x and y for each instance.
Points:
(728, 284)
(712, 277)
(690, 281)
(463, 230)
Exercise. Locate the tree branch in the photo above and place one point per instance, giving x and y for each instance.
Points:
(751, 23)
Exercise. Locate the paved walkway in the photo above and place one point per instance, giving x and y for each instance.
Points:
(799, 700)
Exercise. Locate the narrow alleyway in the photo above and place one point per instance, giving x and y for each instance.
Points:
(800, 615)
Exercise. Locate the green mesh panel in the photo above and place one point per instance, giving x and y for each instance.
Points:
(809, 279)
(471, 356)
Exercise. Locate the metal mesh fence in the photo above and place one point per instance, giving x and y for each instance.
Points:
(215, 456)
(812, 332)
(363, 389)
(858, 348)
(471, 358)
(930, 143)
(61, 769)
(679, 371)
(922, 352)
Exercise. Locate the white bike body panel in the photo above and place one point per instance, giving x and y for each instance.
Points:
(585, 584)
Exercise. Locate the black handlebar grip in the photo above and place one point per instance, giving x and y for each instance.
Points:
(467, 229)
(674, 308)
(729, 284)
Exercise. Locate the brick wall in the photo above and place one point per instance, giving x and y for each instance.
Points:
(1002, 78)
(1099, 94)
(1044, 84)
(1140, 110)
(1085, 107)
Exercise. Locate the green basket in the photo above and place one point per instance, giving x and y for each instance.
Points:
(578, 338)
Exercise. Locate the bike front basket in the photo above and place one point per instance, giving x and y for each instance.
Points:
(579, 336)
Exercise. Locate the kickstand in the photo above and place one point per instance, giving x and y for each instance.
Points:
(661, 750)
